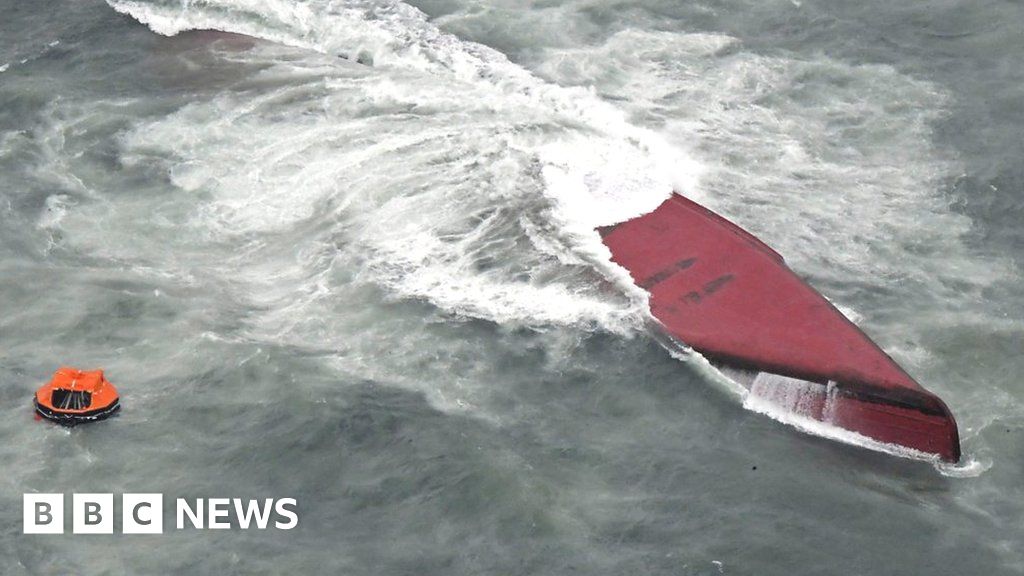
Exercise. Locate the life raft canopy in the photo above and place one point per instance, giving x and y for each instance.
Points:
(74, 396)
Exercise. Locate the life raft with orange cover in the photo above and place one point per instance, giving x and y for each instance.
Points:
(73, 396)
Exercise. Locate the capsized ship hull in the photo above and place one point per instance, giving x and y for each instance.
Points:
(722, 292)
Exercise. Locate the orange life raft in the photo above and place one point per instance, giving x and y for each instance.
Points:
(74, 396)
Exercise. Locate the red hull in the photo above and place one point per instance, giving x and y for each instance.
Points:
(724, 293)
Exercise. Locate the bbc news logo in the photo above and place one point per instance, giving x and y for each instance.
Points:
(144, 513)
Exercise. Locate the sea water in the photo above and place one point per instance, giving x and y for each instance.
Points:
(343, 251)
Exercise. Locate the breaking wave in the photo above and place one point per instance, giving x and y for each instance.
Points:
(366, 138)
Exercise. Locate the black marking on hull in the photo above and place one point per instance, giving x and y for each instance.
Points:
(716, 284)
(707, 290)
(662, 275)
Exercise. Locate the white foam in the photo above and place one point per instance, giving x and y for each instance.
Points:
(603, 167)
(968, 467)
(833, 165)
(767, 407)
(830, 163)
(421, 236)
(792, 402)
(399, 36)
(500, 160)
(601, 183)
(54, 210)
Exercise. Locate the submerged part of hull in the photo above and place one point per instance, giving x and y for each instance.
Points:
(725, 294)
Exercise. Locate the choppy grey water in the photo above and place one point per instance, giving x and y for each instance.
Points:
(348, 258)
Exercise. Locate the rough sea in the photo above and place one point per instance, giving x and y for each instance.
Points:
(343, 251)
